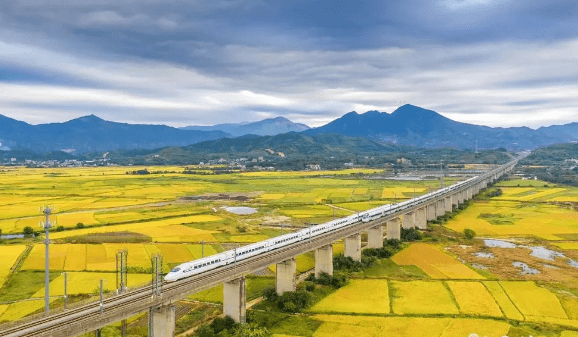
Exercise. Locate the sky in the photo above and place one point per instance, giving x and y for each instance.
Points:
(198, 62)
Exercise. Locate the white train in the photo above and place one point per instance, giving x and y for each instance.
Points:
(231, 256)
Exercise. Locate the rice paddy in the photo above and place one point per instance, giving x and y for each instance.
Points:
(9, 255)
(513, 218)
(422, 297)
(474, 299)
(89, 283)
(434, 262)
(102, 257)
(337, 325)
(457, 302)
(18, 310)
(533, 301)
(355, 298)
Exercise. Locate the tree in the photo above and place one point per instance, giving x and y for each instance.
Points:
(80, 225)
(205, 331)
(410, 234)
(250, 330)
(469, 233)
(28, 231)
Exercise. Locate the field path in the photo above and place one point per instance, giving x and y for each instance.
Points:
(341, 208)
(119, 208)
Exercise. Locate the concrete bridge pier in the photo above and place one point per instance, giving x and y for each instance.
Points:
(324, 260)
(455, 200)
(431, 212)
(448, 204)
(420, 218)
(469, 193)
(353, 246)
(163, 321)
(375, 237)
(234, 300)
(393, 229)
(408, 220)
(286, 272)
(440, 208)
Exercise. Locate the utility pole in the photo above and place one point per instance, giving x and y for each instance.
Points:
(65, 290)
(441, 174)
(157, 282)
(47, 225)
(121, 281)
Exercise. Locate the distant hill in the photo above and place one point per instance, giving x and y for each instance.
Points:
(412, 125)
(554, 155)
(93, 134)
(566, 131)
(294, 143)
(266, 127)
(295, 151)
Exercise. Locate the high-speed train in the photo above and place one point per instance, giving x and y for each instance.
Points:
(232, 256)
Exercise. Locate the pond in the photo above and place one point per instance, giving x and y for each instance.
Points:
(241, 210)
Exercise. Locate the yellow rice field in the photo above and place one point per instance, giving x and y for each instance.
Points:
(509, 309)
(401, 192)
(155, 228)
(102, 257)
(510, 218)
(359, 296)
(566, 245)
(18, 310)
(474, 299)
(533, 301)
(346, 326)
(36, 259)
(422, 297)
(304, 263)
(176, 233)
(434, 262)
(89, 283)
(197, 251)
(8, 256)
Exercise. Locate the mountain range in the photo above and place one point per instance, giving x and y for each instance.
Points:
(420, 127)
(266, 127)
(407, 125)
(93, 134)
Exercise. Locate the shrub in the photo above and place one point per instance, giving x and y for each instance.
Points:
(219, 324)
(293, 301)
(341, 262)
(28, 231)
(469, 233)
(410, 234)
(250, 330)
(309, 286)
(60, 228)
(270, 294)
(393, 243)
(205, 331)
(80, 225)
(335, 281)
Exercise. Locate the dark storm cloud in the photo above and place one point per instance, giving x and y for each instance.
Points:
(185, 62)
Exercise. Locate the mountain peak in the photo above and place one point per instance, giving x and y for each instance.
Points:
(88, 119)
(412, 110)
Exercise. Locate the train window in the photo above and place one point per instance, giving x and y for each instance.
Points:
(176, 270)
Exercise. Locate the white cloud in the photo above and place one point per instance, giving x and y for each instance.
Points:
(498, 84)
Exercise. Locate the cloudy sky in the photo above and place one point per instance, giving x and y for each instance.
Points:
(183, 62)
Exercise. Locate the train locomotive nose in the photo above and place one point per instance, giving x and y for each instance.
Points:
(171, 277)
